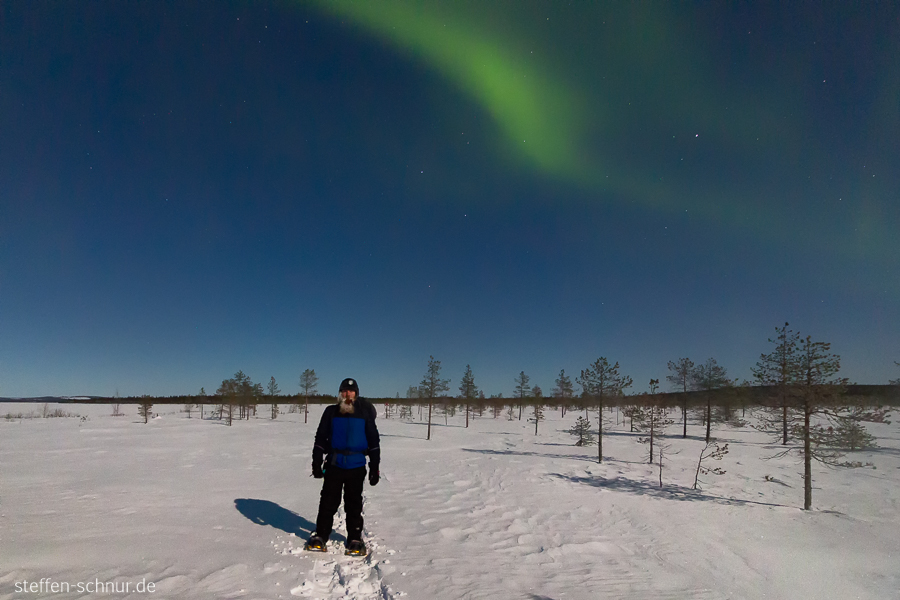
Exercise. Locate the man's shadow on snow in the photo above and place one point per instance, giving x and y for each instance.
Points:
(264, 512)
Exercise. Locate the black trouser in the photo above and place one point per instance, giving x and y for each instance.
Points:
(351, 481)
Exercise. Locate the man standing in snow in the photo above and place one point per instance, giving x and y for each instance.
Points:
(346, 434)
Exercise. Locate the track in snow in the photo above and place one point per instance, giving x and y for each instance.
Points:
(334, 575)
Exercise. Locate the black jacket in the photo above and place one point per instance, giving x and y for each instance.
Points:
(335, 450)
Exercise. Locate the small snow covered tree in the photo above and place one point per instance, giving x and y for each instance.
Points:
(681, 380)
(432, 385)
(653, 420)
(601, 380)
(144, 408)
(309, 383)
(662, 452)
(468, 391)
(582, 429)
(537, 416)
(851, 434)
(712, 451)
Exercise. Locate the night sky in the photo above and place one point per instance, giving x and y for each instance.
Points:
(192, 188)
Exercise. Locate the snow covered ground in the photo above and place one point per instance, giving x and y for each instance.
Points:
(202, 510)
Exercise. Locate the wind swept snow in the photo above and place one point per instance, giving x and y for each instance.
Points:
(203, 510)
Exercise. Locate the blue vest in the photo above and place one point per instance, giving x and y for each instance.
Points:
(348, 442)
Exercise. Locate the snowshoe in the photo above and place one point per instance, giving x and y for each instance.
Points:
(315, 544)
(355, 548)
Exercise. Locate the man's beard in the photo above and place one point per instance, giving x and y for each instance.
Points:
(346, 409)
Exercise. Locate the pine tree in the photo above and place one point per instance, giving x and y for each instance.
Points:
(226, 393)
(682, 370)
(652, 420)
(243, 390)
(780, 369)
(663, 450)
(633, 413)
(117, 405)
(522, 391)
(496, 409)
(851, 434)
(819, 383)
(712, 451)
(255, 399)
(563, 390)
(468, 390)
(537, 416)
(309, 383)
(827, 428)
(600, 381)
(273, 392)
(144, 409)
(708, 377)
(582, 429)
(240, 391)
(432, 385)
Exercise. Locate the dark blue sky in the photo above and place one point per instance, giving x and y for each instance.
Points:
(189, 189)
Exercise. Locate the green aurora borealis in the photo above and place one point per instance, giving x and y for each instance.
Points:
(615, 98)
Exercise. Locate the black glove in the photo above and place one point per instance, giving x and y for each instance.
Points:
(317, 470)
(373, 476)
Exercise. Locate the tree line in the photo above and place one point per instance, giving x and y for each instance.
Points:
(803, 399)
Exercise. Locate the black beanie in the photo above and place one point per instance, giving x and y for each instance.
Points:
(349, 384)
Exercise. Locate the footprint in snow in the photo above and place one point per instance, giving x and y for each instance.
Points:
(334, 575)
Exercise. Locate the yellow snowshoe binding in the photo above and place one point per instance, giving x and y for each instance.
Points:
(315, 544)
(355, 548)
